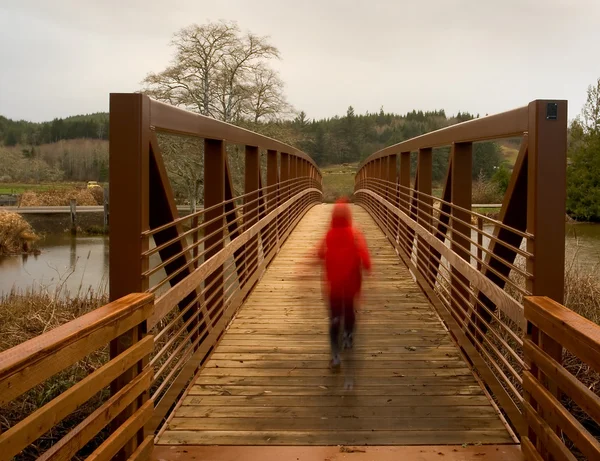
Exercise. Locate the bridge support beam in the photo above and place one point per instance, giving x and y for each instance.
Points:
(461, 190)
(214, 196)
(424, 205)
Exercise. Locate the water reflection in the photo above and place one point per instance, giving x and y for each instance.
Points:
(73, 264)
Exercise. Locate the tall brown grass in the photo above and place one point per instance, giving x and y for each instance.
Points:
(25, 315)
(16, 235)
(59, 197)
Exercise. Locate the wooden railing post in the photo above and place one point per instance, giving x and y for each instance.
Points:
(424, 169)
(214, 196)
(129, 147)
(251, 186)
(461, 192)
(546, 210)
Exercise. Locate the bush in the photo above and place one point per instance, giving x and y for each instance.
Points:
(502, 178)
(16, 235)
(583, 180)
(485, 191)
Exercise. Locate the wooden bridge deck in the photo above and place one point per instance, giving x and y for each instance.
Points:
(268, 381)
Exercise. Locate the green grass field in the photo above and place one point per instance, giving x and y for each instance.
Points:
(338, 181)
(19, 188)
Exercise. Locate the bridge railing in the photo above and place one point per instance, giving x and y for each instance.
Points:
(201, 266)
(35, 362)
(552, 393)
(475, 269)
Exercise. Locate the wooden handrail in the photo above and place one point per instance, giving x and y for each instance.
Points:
(38, 359)
(548, 381)
(512, 123)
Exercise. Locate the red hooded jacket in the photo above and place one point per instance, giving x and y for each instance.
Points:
(345, 253)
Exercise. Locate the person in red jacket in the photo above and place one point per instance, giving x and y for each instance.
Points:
(345, 254)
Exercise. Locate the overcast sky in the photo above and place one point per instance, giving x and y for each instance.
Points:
(63, 57)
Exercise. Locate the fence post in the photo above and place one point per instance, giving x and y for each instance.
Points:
(106, 209)
(129, 157)
(546, 211)
(73, 213)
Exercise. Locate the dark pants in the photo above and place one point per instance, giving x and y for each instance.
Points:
(341, 310)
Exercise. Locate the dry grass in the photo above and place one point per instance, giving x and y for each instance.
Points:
(59, 197)
(16, 235)
(26, 315)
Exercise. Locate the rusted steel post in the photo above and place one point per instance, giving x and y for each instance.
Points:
(404, 186)
(272, 191)
(129, 156)
(214, 196)
(252, 175)
(461, 191)
(424, 168)
(284, 176)
(546, 210)
(479, 241)
(392, 173)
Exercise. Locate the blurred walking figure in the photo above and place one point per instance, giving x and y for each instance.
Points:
(345, 254)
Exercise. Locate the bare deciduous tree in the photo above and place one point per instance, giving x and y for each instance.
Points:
(220, 72)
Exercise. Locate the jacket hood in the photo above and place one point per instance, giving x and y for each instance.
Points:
(341, 216)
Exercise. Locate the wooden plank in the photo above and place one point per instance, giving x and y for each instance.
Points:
(68, 446)
(334, 437)
(325, 424)
(111, 446)
(42, 420)
(335, 453)
(33, 361)
(399, 389)
(335, 412)
(319, 401)
(586, 442)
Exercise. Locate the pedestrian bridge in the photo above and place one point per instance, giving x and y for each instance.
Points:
(216, 335)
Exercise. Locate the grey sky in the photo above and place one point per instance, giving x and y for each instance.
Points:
(63, 57)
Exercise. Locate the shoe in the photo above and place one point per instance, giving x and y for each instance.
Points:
(335, 362)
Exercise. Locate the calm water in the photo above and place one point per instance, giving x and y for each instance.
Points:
(73, 263)
(81, 263)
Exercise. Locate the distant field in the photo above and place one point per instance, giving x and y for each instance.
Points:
(338, 181)
(19, 188)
